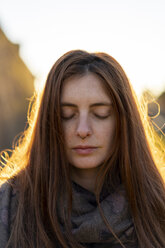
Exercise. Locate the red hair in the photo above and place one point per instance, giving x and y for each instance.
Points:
(39, 162)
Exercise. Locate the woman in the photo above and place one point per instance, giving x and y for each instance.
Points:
(83, 174)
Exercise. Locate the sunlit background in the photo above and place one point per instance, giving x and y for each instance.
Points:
(132, 31)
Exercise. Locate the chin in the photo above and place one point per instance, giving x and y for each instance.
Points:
(85, 164)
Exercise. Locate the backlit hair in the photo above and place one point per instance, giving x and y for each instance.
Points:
(40, 168)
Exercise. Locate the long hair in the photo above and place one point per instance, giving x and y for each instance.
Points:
(42, 173)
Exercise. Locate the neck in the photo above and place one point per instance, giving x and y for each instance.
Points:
(85, 177)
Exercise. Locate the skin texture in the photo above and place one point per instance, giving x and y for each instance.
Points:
(83, 102)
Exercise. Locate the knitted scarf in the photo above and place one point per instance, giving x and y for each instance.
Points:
(88, 227)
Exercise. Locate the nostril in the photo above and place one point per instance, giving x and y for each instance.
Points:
(83, 133)
(83, 128)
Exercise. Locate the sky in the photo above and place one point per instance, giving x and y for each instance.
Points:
(132, 31)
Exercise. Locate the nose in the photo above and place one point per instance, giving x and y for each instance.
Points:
(83, 128)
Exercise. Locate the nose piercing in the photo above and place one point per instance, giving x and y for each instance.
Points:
(83, 138)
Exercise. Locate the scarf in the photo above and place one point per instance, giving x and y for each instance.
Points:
(88, 227)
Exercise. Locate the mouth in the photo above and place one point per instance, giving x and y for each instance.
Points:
(84, 150)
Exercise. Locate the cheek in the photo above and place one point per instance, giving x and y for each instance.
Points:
(101, 132)
(68, 132)
(108, 133)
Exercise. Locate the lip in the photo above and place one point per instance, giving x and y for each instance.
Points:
(83, 147)
(84, 150)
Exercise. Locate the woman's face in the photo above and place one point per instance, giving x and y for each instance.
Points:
(88, 121)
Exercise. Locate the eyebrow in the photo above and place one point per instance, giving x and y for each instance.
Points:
(97, 104)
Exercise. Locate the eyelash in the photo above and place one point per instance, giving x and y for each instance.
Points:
(98, 116)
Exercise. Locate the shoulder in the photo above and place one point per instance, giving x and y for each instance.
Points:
(7, 210)
(7, 194)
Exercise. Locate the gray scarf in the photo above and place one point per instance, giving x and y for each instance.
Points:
(88, 227)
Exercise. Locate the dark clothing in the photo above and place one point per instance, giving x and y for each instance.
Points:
(88, 226)
(8, 208)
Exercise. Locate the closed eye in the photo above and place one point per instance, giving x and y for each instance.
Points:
(96, 115)
(67, 117)
(101, 117)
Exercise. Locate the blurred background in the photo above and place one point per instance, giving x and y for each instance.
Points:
(33, 34)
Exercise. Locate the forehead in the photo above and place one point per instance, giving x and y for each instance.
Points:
(87, 87)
